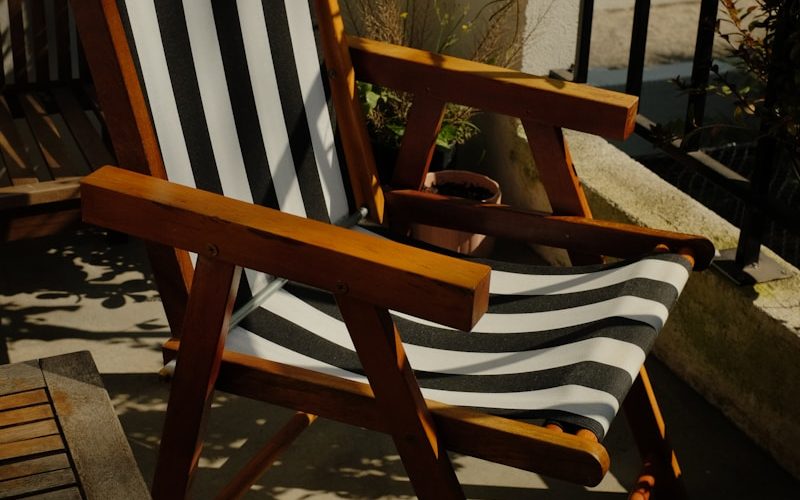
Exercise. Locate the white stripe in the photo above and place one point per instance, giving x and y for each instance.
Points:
(268, 107)
(623, 355)
(5, 27)
(153, 63)
(216, 100)
(244, 341)
(506, 283)
(591, 403)
(316, 108)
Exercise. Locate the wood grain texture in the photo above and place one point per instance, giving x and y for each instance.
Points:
(20, 377)
(25, 398)
(31, 430)
(349, 116)
(490, 88)
(29, 447)
(25, 415)
(517, 444)
(577, 233)
(97, 444)
(205, 328)
(424, 284)
(85, 134)
(397, 394)
(34, 466)
(132, 133)
(41, 482)
(419, 141)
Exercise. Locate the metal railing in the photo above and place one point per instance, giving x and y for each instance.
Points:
(745, 264)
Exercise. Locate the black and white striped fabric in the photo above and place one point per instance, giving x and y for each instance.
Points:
(240, 108)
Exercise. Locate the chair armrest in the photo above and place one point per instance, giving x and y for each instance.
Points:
(491, 88)
(576, 233)
(380, 272)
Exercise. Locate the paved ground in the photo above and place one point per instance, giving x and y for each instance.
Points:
(76, 292)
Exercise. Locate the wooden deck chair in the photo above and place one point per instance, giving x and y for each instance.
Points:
(236, 99)
(49, 122)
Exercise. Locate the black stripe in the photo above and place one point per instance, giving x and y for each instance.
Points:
(293, 109)
(595, 375)
(237, 76)
(175, 37)
(623, 329)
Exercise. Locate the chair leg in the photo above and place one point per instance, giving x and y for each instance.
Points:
(204, 329)
(266, 456)
(661, 473)
(398, 396)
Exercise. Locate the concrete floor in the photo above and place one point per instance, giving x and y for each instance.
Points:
(77, 292)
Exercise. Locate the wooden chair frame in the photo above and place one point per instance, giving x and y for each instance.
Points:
(369, 277)
(48, 140)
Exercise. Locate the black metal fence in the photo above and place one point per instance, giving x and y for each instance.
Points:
(760, 210)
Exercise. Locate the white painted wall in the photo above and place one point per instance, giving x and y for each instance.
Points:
(555, 29)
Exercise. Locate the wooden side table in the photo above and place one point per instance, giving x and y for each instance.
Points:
(59, 435)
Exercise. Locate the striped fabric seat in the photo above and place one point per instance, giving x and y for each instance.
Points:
(240, 107)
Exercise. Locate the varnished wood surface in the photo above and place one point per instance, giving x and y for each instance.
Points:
(496, 439)
(424, 284)
(59, 435)
(490, 88)
(416, 150)
(204, 330)
(580, 233)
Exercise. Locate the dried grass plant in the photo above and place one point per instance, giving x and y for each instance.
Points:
(492, 33)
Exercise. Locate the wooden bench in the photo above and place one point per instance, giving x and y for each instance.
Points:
(50, 125)
(59, 435)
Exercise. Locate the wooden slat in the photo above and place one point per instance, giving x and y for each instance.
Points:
(380, 350)
(34, 466)
(23, 166)
(63, 494)
(62, 40)
(23, 432)
(27, 195)
(85, 134)
(363, 176)
(578, 233)
(40, 220)
(18, 41)
(39, 31)
(37, 482)
(33, 446)
(26, 398)
(424, 284)
(97, 444)
(490, 88)
(60, 151)
(205, 328)
(510, 442)
(20, 377)
(5, 180)
(419, 142)
(24, 415)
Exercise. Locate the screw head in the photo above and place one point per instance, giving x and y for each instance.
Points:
(212, 249)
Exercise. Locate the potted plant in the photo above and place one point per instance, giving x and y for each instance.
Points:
(463, 184)
(491, 33)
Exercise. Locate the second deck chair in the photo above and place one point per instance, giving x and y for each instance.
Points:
(237, 99)
(49, 122)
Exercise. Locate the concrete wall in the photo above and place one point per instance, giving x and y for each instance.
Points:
(554, 24)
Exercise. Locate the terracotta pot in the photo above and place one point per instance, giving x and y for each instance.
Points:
(478, 245)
